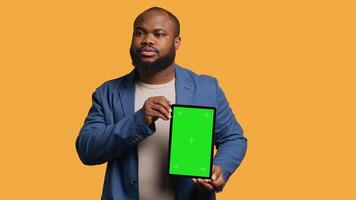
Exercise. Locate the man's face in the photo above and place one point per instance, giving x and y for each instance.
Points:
(154, 42)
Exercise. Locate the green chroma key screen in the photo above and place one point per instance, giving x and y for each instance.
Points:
(191, 141)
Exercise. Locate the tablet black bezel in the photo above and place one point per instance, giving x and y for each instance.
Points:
(212, 139)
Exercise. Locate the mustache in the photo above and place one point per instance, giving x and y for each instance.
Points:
(147, 48)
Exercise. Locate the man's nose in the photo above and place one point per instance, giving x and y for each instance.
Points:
(148, 39)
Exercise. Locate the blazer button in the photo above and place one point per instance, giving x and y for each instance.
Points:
(133, 181)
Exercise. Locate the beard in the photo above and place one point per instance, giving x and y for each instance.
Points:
(159, 64)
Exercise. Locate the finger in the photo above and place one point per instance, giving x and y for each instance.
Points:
(204, 180)
(154, 108)
(161, 109)
(194, 180)
(207, 180)
(206, 186)
(163, 102)
(217, 177)
(213, 176)
(156, 115)
(219, 182)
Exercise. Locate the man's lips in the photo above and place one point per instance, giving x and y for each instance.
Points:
(148, 51)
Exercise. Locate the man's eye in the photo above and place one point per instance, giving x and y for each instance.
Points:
(138, 33)
(159, 34)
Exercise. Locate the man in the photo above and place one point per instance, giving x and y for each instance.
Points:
(128, 123)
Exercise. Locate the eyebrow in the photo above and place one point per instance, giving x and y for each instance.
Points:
(145, 30)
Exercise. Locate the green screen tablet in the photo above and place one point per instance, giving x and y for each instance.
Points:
(191, 141)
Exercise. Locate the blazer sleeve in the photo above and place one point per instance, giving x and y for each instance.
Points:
(99, 142)
(229, 139)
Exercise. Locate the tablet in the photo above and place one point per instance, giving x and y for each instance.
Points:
(191, 141)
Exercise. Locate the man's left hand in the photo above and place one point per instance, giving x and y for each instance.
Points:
(215, 184)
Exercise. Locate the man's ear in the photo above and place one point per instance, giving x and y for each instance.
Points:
(177, 41)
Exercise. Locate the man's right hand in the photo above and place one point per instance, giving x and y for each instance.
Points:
(156, 107)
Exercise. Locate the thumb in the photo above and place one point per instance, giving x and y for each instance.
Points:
(213, 177)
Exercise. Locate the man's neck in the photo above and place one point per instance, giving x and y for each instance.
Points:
(156, 78)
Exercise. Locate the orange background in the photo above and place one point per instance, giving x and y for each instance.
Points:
(287, 68)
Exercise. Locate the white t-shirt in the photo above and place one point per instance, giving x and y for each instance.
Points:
(153, 151)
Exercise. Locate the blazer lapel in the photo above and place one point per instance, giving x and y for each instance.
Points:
(127, 94)
(183, 86)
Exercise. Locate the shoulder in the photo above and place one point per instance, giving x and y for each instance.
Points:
(197, 78)
(114, 84)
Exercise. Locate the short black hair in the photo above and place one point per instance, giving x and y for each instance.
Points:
(173, 18)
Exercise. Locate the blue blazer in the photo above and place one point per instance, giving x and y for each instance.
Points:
(112, 130)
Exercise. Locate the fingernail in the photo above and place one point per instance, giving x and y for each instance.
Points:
(213, 177)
